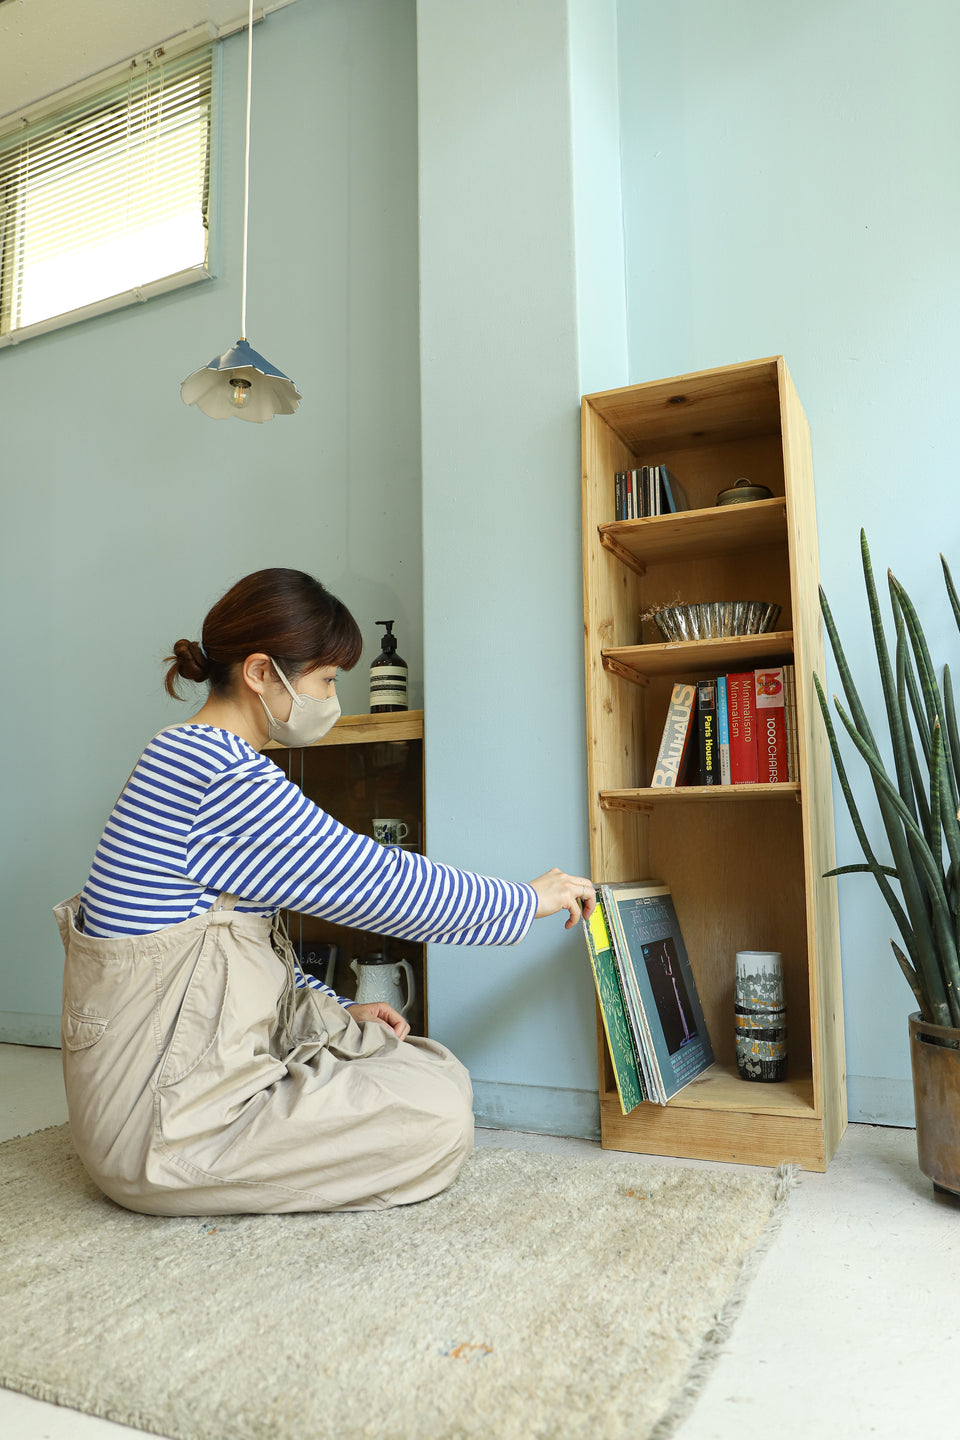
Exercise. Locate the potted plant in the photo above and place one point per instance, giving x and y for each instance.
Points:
(919, 809)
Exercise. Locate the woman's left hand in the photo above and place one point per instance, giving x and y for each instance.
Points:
(380, 1010)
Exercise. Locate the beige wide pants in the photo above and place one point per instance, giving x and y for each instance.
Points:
(200, 1081)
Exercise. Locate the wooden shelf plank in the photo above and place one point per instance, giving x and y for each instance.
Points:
(707, 407)
(645, 799)
(719, 530)
(732, 653)
(740, 1137)
(721, 1088)
(364, 729)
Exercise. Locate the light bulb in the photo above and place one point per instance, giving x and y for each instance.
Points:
(240, 388)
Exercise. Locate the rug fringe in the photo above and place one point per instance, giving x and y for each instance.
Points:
(787, 1177)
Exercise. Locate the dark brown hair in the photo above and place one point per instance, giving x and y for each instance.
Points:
(285, 614)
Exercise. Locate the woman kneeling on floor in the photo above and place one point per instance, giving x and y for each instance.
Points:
(204, 1074)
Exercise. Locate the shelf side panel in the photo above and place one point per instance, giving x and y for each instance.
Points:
(823, 921)
(611, 606)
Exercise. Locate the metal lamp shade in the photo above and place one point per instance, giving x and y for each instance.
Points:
(266, 390)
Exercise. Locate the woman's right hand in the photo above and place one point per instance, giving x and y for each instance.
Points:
(557, 891)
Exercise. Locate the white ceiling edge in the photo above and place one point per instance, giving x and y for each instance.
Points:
(50, 46)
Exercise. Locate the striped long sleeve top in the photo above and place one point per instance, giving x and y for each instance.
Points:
(204, 813)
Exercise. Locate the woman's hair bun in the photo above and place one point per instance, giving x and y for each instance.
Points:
(191, 661)
(187, 662)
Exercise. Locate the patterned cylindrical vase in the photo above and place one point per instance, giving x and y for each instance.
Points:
(760, 1015)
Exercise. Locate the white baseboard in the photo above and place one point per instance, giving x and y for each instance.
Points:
(19, 1028)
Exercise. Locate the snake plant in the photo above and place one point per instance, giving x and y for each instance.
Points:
(918, 802)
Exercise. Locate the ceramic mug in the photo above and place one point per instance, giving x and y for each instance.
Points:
(390, 832)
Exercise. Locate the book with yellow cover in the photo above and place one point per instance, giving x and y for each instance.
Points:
(626, 1072)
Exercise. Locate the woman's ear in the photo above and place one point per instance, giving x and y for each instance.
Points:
(257, 672)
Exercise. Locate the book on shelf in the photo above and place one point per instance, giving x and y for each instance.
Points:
(673, 755)
(708, 751)
(616, 1024)
(735, 729)
(741, 717)
(771, 725)
(790, 709)
(673, 492)
(723, 730)
(656, 982)
(646, 491)
(649, 490)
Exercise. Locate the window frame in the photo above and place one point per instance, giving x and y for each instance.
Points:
(62, 103)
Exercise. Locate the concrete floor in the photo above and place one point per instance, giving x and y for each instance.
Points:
(850, 1327)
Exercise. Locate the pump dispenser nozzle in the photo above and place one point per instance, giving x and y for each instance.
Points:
(388, 642)
(388, 675)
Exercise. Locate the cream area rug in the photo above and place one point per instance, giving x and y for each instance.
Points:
(540, 1297)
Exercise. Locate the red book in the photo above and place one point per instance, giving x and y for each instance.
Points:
(771, 725)
(741, 708)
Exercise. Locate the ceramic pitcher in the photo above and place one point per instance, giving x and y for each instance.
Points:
(378, 978)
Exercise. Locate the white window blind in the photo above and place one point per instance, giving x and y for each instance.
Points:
(108, 197)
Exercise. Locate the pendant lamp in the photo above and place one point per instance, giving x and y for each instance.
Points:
(241, 383)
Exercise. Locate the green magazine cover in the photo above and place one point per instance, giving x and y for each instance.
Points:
(626, 1072)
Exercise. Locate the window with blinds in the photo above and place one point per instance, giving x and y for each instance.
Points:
(107, 202)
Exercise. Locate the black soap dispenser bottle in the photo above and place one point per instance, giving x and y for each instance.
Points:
(388, 676)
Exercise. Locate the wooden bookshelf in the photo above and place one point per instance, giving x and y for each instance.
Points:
(744, 863)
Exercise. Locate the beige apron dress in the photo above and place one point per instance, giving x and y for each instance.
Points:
(201, 1081)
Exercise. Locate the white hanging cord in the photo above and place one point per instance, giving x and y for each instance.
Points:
(246, 181)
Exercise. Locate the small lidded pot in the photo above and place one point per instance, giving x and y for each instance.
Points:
(742, 491)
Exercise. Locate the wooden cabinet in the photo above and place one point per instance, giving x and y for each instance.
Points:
(744, 863)
(367, 766)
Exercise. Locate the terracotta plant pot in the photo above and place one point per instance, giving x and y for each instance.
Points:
(935, 1060)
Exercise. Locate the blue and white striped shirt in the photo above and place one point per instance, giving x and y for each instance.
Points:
(203, 813)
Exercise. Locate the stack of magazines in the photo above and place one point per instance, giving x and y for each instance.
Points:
(648, 999)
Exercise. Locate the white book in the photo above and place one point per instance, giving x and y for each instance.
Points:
(675, 740)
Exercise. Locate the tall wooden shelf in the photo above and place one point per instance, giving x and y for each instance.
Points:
(744, 863)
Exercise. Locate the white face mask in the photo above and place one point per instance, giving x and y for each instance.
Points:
(310, 718)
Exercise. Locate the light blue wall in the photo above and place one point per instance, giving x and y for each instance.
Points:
(787, 185)
(126, 514)
(505, 249)
(790, 186)
(597, 199)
